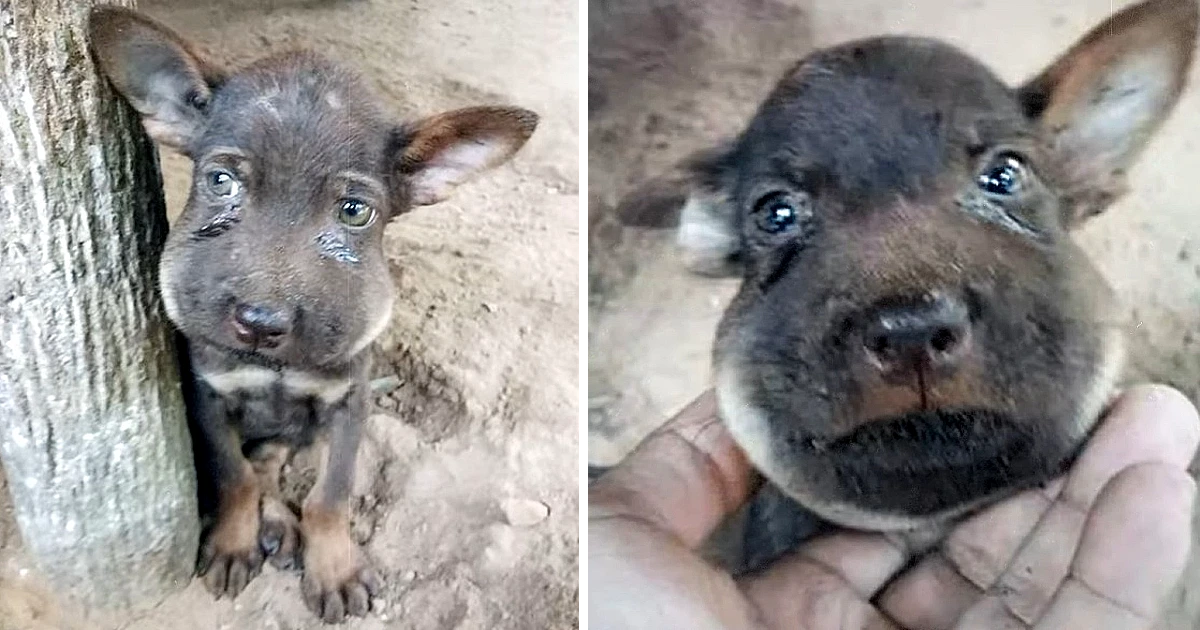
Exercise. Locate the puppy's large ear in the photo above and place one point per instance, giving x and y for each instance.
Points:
(158, 72)
(440, 152)
(1102, 101)
(693, 199)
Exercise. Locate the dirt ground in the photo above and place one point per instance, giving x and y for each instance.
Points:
(467, 485)
(669, 77)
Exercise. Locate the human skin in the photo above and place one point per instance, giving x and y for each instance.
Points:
(1099, 548)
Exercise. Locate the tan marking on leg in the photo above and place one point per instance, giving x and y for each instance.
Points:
(330, 555)
(230, 556)
(237, 516)
(337, 580)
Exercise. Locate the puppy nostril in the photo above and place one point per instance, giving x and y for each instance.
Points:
(902, 334)
(262, 323)
(878, 345)
(943, 340)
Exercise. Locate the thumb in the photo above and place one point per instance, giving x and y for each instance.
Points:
(683, 479)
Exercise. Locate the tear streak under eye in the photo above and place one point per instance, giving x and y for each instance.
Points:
(333, 247)
(993, 213)
(218, 225)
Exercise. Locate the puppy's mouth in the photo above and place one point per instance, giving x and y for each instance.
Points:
(941, 437)
(931, 461)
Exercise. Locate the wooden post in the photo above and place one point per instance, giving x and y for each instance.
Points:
(93, 435)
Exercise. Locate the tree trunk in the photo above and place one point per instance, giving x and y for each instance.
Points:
(93, 433)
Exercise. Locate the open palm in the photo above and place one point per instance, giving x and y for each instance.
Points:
(1098, 549)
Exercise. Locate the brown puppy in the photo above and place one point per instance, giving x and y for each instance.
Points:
(276, 276)
(916, 333)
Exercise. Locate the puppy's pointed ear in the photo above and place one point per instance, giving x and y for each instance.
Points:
(440, 152)
(693, 198)
(154, 69)
(1102, 101)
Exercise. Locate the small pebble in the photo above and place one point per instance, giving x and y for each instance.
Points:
(524, 512)
(489, 308)
(385, 384)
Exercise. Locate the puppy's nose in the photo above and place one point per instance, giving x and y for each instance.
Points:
(261, 325)
(903, 335)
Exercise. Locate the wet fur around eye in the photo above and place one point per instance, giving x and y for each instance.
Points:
(222, 222)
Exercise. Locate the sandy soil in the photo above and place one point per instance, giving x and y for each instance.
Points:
(467, 488)
(668, 77)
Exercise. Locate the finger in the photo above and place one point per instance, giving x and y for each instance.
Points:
(864, 561)
(1133, 551)
(647, 513)
(828, 582)
(684, 478)
(981, 547)
(807, 594)
(1147, 424)
(934, 594)
(678, 588)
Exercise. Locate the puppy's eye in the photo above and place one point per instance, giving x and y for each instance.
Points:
(355, 213)
(1004, 176)
(781, 212)
(223, 184)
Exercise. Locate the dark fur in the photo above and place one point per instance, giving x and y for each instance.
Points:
(882, 141)
(277, 296)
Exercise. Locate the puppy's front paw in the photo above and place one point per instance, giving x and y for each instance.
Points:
(338, 581)
(230, 555)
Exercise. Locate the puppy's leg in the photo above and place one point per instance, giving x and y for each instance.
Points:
(229, 551)
(279, 535)
(337, 581)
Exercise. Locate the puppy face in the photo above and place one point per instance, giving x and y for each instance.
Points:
(297, 171)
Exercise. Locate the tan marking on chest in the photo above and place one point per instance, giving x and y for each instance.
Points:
(294, 382)
(325, 389)
(241, 379)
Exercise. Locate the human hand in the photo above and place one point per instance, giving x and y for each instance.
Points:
(1098, 549)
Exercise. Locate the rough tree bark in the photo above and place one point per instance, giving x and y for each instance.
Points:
(93, 435)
